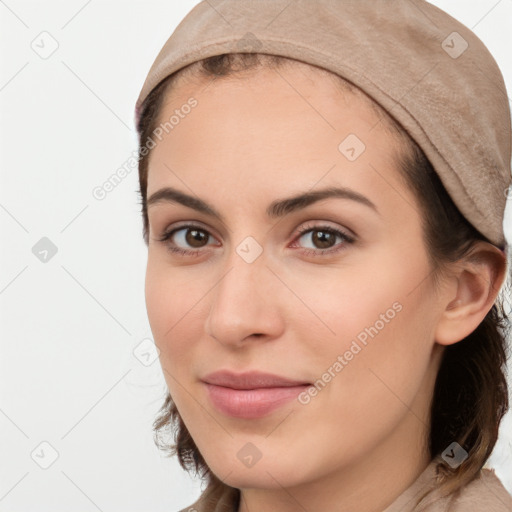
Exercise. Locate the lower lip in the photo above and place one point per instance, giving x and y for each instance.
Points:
(251, 403)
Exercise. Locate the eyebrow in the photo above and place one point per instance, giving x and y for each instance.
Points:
(276, 209)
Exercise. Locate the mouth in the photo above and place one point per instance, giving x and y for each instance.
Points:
(250, 395)
(251, 380)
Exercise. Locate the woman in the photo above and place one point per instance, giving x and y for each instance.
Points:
(322, 193)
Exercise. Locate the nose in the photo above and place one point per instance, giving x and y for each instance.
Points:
(245, 304)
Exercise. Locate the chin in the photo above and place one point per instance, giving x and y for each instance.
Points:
(269, 474)
(259, 479)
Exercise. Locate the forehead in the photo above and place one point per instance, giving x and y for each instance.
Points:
(268, 126)
(290, 70)
(294, 75)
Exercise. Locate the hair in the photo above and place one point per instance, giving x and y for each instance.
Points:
(470, 394)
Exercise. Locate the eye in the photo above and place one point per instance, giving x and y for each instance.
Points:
(323, 239)
(191, 239)
(189, 235)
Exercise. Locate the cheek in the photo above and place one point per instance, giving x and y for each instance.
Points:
(374, 331)
(160, 301)
(363, 299)
(172, 300)
(364, 396)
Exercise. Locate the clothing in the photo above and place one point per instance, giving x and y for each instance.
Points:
(483, 494)
(428, 70)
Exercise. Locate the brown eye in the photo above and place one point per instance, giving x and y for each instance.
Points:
(195, 237)
(323, 240)
(186, 240)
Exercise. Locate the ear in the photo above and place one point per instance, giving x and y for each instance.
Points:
(475, 283)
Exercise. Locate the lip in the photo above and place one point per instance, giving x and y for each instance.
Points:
(250, 380)
(252, 394)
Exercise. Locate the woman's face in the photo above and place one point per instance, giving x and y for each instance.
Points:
(271, 286)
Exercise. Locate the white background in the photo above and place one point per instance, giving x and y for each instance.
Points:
(68, 375)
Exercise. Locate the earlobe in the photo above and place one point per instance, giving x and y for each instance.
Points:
(479, 277)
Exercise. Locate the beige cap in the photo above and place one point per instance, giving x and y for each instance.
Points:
(429, 71)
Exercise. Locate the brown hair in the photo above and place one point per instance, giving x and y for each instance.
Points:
(470, 395)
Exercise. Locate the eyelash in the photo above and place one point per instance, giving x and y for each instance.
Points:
(346, 239)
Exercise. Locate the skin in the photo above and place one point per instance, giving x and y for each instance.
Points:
(361, 441)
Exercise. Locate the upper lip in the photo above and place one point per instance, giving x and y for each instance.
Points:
(250, 380)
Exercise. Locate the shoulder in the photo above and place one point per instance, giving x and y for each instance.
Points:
(484, 493)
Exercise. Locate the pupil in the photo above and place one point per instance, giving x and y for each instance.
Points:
(324, 237)
(193, 236)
